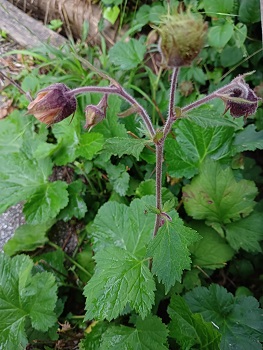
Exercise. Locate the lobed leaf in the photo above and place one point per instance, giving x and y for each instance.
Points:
(24, 297)
(119, 146)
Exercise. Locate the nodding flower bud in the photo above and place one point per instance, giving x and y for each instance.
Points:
(241, 100)
(52, 104)
(95, 114)
(181, 38)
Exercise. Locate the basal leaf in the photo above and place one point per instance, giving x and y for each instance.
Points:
(76, 205)
(218, 36)
(193, 144)
(24, 297)
(121, 226)
(190, 330)
(215, 195)
(248, 140)
(246, 233)
(27, 238)
(211, 251)
(90, 144)
(249, 11)
(239, 319)
(119, 178)
(93, 336)
(119, 146)
(21, 177)
(148, 334)
(169, 251)
(45, 203)
(217, 7)
(127, 55)
(120, 279)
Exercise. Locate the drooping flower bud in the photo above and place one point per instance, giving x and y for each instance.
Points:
(95, 114)
(52, 104)
(241, 100)
(181, 38)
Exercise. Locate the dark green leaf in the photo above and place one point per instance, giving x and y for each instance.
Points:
(231, 55)
(246, 233)
(169, 251)
(24, 297)
(239, 319)
(215, 195)
(120, 279)
(249, 11)
(119, 178)
(45, 203)
(190, 330)
(248, 140)
(148, 334)
(193, 144)
(212, 251)
(127, 55)
(124, 145)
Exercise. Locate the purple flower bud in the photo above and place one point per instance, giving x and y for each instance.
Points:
(95, 114)
(52, 104)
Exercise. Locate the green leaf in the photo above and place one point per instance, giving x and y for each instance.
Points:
(111, 14)
(92, 338)
(76, 206)
(218, 36)
(208, 116)
(120, 279)
(239, 319)
(193, 144)
(21, 177)
(119, 146)
(89, 145)
(212, 251)
(27, 238)
(127, 55)
(215, 195)
(127, 227)
(169, 251)
(119, 178)
(231, 55)
(246, 233)
(190, 330)
(248, 140)
(249, 11)
(148, 334)
(24, 297)
(45, 203)
(215, 7)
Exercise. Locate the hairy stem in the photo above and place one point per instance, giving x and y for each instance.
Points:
(118, 90)
(159, 149)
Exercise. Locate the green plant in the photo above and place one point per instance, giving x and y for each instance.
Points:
(148, 275)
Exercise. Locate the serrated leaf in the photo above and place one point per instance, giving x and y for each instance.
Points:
(218, 36)
(121, 226)
(20, 177)
(120, 279)
(119, 178)
(93, 336)
(24, 297)
(76, 205)
(215, 195)
(212, 251)
(190, 330)
(89, 145)
(45, 204)
(240, 320)
(148, 334)
(27, 238)
(246, 233)
(119, 146)
(127, 55)
(193, 144)
(169, 251)
(248, 140)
